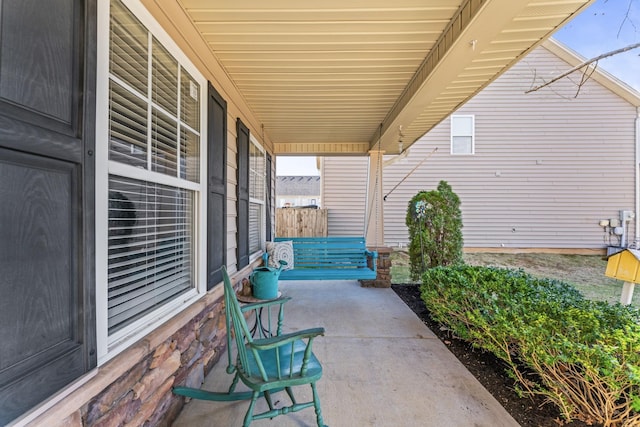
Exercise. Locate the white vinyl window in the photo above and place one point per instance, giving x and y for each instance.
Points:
(257, 188)
(462, 134)
(154, 174)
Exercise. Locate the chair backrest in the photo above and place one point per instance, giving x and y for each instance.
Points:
(237, 327)
(272, 356)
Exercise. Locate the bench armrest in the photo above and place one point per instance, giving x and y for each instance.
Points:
(372, 254)
(374, 258)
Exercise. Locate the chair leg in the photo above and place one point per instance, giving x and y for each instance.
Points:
(249, 415)
(267, 397)
(316, 404)
(236, 377)
(291, 396)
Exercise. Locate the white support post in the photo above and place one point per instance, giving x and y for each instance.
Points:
(636, 240)
(374, 219)
(627, 293)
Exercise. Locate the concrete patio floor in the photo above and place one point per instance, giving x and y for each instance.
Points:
(382, 367)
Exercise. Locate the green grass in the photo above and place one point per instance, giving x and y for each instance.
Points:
(585, 272)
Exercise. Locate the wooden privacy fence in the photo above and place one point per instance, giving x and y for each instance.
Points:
(301, 222)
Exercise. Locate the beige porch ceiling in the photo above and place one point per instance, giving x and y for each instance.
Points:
(331, 76)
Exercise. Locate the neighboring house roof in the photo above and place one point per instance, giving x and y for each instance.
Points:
(297, 186)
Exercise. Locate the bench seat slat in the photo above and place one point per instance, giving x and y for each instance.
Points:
(327, 274)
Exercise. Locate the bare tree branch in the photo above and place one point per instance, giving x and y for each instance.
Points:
(585, 64)
(586, 75)
(626, 18)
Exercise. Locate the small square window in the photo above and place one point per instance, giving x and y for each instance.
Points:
(462, 135)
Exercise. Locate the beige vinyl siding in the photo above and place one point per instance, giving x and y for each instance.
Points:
(344, 193)
(547, 166)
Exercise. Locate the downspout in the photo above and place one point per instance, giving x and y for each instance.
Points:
(637, 165)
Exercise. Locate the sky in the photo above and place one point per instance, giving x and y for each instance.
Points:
(290, 166)
(605, 26)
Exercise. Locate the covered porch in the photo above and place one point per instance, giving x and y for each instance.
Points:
(108, 105)
(382, 366)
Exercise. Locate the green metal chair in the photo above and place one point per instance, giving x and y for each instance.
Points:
(268, 363)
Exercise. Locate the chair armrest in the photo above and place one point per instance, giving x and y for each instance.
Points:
(373, 254)
(273, 342)
(272, 326)
(262, 304)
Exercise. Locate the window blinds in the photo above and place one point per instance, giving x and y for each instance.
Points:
(150, 247)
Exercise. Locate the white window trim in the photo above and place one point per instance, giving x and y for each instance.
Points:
(473, 134)
(263, 202)
(110, 346)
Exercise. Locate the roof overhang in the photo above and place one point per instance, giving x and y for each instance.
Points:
(342, 77)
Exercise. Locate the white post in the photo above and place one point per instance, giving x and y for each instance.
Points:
(374, 219)
(637, 183)
(627, 293)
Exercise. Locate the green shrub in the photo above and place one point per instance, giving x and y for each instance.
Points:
(435, 229)
(585, 354)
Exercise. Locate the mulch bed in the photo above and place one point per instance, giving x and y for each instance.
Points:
(489, 370)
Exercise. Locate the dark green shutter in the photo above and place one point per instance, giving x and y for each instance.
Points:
(243, 193)
(217, 187)
(47, 173)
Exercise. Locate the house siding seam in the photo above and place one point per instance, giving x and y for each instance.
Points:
(547, 165)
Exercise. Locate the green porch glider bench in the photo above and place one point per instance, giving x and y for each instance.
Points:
(328, 258)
